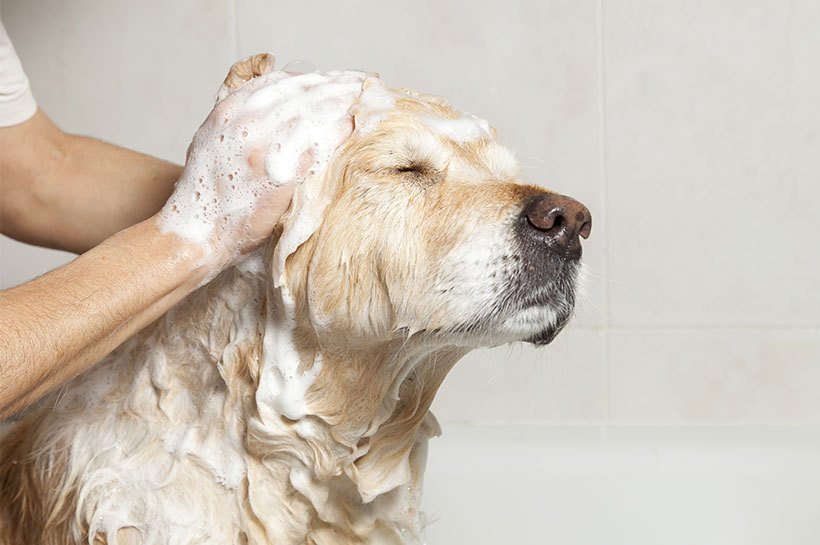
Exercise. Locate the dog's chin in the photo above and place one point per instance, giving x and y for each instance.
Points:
(537, 324)
(544, 337)
(550, 330)
(536, 318)
(545, 306)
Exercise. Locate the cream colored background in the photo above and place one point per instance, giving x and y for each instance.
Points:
(690, 129)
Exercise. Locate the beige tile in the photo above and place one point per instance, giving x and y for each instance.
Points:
(142, 75)
(521, 384)
(733, 376)
(713, 134)
(139, 74)
(528, 67)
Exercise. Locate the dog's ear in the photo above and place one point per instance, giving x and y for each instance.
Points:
(304, 217)
(315, 193)
(354, 114)
(310, 199)
(244, 71)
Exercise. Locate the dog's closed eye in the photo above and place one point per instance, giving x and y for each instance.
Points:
(415, 168)
(419, 171)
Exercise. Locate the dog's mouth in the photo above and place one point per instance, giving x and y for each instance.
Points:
(559, 306)
(530, 310)
(545, 337)
(551, 289)
(548, 334)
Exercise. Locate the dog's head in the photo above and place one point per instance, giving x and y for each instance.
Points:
(423, 228)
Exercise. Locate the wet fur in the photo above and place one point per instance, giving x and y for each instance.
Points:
(380, 297)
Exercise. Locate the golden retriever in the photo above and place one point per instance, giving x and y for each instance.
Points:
(287, 401)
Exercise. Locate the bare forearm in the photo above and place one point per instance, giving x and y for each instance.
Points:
(57, 326)
(71, 192)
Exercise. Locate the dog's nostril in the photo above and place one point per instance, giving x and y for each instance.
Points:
(586, 229)
(545, 218)
(562, 220)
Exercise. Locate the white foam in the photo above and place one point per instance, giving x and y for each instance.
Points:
(371, 105)
(282, 385)
(375, 102)
(467, 128)
(277, 129)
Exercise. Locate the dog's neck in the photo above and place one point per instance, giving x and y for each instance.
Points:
(330, 446)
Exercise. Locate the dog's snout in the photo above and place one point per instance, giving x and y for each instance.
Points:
(561, 220)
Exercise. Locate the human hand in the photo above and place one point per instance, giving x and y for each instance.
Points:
(263, 138)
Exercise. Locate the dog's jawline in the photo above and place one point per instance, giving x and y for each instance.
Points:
(545, 337)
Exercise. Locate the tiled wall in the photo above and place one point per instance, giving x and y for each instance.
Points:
(690, 129)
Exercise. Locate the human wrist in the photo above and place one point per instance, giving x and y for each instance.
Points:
(185, 264)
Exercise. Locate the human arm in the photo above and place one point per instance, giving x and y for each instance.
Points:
(56, 326)
(71, 192)
(225, 204)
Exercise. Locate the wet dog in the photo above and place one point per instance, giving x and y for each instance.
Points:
(287, 401)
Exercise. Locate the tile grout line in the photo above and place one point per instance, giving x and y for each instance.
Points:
(599, 31)
(233, 14)
(688, 328)
(626, 424)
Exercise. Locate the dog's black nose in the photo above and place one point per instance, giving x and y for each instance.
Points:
(560, 221)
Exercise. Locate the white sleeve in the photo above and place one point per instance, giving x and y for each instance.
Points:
(16, 101)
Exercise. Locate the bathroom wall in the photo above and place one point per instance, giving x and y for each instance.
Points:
(690, 129)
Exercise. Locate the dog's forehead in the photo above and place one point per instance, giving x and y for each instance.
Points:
(427, 128)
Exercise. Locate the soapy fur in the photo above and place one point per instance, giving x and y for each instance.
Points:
(287, 401)
(276, 129)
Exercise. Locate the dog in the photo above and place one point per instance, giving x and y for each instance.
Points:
(287, 401)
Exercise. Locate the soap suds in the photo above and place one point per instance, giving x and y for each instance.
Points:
(467, 128)
(371, 105)
(277, 129)
(375, 102)
(282, 385)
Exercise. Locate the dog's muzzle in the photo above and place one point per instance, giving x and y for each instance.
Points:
(549, 232)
